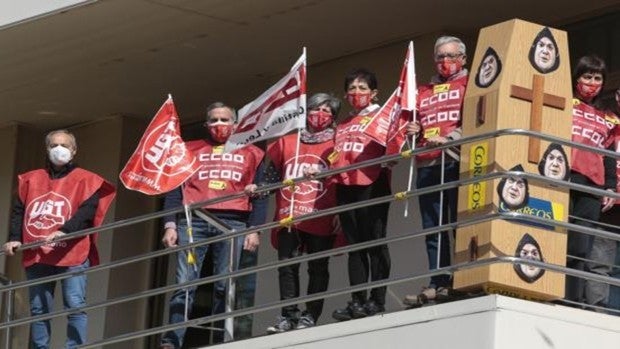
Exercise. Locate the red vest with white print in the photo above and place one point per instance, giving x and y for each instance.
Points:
(352, 146)
(309, 196)
(617, 148)
(221, 174)
(49, 203)
(439, 111)
(591, 127)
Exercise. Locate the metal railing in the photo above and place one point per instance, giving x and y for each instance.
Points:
(8, 287)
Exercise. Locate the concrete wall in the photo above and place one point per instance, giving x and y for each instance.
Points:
(490, 322)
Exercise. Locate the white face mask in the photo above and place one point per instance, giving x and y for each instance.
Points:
(59, 155)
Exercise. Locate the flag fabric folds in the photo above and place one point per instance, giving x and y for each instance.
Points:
(386, 127)
(161, 162)
(279, 110)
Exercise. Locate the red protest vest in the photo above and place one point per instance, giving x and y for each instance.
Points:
(49, 203)
(352, 146)
(439, 111)
(310, 196)
(221, 174)
(617, 148)
(591, 127)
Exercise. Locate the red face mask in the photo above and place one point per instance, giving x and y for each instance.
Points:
(220, 132)
(448, 68)
(358, 101)
(588, 91)
(318, 120)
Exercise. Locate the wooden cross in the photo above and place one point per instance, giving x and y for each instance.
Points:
(537, 96)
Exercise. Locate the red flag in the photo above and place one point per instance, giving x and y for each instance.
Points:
(387, 125)
(161, 162)
(279, 110)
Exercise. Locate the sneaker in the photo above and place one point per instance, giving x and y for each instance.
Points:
(427, 295)
(373, 308)
(306, 320)
(354, 310)
(283, 324)
(430, 295)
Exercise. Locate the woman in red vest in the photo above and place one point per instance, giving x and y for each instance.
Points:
(595, 128)
(365, 223)
(314, 235)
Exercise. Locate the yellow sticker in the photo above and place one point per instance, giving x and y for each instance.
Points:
(217, 185)
(218, 149)
(558, 211)
(612, 119)
(478, 161)
(576, 101)
(365, 120)
(333, 157)
(431, 132)
(441, 88)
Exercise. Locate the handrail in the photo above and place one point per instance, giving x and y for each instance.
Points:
(271, 187)
(330, 211)
(512, 216)
(370, 162)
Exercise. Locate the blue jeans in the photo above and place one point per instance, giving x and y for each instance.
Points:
(430, 209)
(184, 273)
(42, 301)
(614, 292)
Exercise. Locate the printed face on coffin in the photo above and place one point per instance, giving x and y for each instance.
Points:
(489, 68)
(528, 248)
(554, 163)
(514, 191)
(544, 55)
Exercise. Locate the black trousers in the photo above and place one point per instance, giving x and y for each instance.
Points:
(292, 244)
(366, 224)
(586, 206)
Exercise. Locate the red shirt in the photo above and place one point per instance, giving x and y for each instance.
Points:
(594, 128)
(309, 196)
(353, 146)
(49, 203)
(221, 174)
(439, 111)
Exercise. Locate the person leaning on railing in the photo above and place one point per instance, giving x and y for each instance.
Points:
(366, 223)
(54, 202)
(316, 142)
(610, 102)
(243, 167)
(428, 131)
(596, 128)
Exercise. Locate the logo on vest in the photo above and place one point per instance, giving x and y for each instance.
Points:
(46, 213)
(163, 149)
(307, 191)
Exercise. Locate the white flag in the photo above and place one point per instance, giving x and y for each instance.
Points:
(276, 112)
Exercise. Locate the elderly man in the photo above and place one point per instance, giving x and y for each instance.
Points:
(54, 202)
(221, 174)
(442, 97)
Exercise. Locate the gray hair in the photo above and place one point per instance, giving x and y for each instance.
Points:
(216, 105)
(72, 141)
(318, 99)
(448, 39)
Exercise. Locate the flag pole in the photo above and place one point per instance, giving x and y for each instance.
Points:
(411, 139)
(296, 163)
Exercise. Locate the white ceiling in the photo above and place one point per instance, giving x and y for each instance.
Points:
(124, 56)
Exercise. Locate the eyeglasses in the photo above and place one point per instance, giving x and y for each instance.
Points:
(214, 120)
(450, 56)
